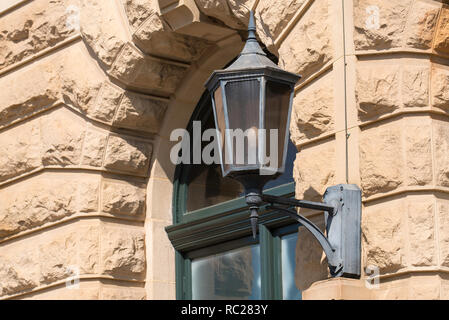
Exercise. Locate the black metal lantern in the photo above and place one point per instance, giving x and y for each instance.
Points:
(251, 98)
(252, 101)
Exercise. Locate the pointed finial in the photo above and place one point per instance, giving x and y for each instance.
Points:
(254, 218)
(252, 26)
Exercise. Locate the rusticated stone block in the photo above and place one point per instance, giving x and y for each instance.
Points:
(313, 171)
(19, 273)
(26, 207)
(420, 28)
(153, 37)
(277, 14)
(440, 88)
(28, 92)
(418, 137)
(221, 10)
(441, 42)
(309, 46)
(380, 24)
(93, 148)
(128, 154)
(421, 225)
(383, 236)
(55, 257)
(107, 102)
(123, 251)
(311, 263)
(101, 29)
(59, 254)
(35, 27)
(441, 146)
(138, 112)
(415, 86)
(20, 150)
(381, 162)
(313, 112)
(377, 90)
(138, 11)
(127, 64)
(123, 198)
(62, 138)
(443, 234)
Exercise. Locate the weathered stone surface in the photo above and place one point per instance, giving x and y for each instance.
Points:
(441, 42)
(138, 11)
(415, 86)
(106, 102)
(93, 148)
(28, 92)
(133, 68)
(19, 273)
(383, 232)
(62, 138)
(380, 24)
(20, 150)
(443, 234)
(221, 10)
(125, 293)
(37, 26)
(418, 155)
(101, 29)
(60, 254)
(377, 90)
(440, 88)
(313, 112)
(421, 226)
(123, 251)
(128, 154)
(153, 38)
(441, 147)
(309, 46)
(277, 14)
(424, 288)
(422, 20)
(123, 198)
(141, 113)
(380, 161)
(313, 171)
(55, 257)
(311, 263)
(32, 205)
(127, 64)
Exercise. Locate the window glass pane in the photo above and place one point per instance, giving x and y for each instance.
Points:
(288, 248)
(231, 275)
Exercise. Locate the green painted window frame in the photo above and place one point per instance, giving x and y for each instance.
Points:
(225, 226)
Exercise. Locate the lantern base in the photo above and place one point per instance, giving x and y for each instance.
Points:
(253, 184)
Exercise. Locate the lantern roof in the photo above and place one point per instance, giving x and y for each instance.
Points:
(251, 62)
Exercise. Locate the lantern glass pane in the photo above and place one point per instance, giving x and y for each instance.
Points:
(243, 108)
(277, 104)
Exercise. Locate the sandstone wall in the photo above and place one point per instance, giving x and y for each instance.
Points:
(92, 90)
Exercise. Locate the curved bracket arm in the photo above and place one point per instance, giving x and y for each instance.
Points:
(334, 261)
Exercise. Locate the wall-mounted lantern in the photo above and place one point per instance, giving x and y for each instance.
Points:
(255, 95)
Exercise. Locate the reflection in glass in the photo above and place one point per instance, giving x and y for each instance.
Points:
(288, 248)
(231, 275)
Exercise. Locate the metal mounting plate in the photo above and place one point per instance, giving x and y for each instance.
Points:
(343, 227)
